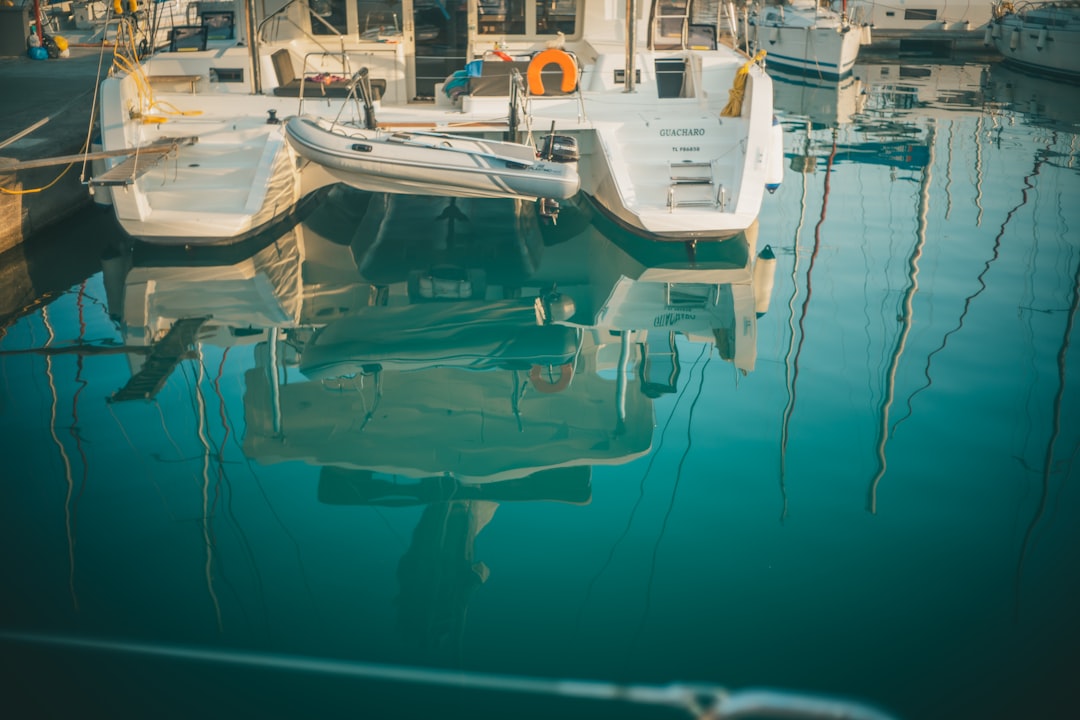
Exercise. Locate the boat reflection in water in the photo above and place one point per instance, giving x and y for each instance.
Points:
(404, 496)
(452, 353)
(1043, 101)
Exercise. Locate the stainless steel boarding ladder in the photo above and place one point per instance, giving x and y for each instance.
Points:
(697, 175)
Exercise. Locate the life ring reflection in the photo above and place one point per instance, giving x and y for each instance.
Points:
(552, 56)
(536, 377)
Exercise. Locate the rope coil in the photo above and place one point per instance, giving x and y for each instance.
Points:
(738, 88)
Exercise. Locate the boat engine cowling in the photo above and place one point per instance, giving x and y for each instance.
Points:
(560, 149)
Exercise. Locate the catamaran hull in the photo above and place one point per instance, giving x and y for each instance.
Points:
(225, 180)
(430, 164)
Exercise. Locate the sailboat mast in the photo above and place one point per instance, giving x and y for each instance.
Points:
(251, 29)
(631, 43)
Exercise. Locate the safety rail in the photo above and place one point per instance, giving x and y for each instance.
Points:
(359, 91)
(346, 68)
(519, 105)
(576, 93)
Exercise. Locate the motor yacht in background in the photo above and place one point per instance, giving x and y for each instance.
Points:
(672, 126)
(918, 24)
(805, 36)
(1039, 36)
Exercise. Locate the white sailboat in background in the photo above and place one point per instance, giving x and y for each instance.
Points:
(806, 36)
(1043, 37)
(673, 126)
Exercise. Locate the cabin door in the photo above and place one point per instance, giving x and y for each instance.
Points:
(439, 36)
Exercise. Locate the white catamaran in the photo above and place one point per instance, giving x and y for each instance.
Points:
(664, 126)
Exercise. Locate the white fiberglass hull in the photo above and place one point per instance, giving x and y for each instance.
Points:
(430, 163)
(229, 176)
(1046, 40)
(954, 21)
(819, 51)
(705, 180)
(663, 153)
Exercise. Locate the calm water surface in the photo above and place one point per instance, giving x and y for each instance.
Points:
(359, 446)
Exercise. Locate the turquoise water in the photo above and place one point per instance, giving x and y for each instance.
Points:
(868, 491)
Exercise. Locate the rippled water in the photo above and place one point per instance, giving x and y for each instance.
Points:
(869, 490)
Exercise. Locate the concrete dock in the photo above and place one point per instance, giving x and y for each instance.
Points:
(60, 92)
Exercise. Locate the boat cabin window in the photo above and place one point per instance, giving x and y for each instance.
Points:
(527, 17)
(920, 14)
(372, 20)
(329, 17)
(380, 20)
(669, 21)
(556, 16)
(439, 22)
(501, 17)
(679, 24)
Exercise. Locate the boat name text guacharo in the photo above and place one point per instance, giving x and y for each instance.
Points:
(681, 132)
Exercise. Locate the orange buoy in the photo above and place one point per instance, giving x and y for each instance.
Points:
(547, 57)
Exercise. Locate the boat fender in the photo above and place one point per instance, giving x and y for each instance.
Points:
(503, 56)
(1040, 43)
(566, 372)
(1014, 39)
(988, 36)
(547, 57)
(762, 279)
(774, 171)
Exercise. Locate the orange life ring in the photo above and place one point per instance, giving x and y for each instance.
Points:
(566, 372)
(547, 57)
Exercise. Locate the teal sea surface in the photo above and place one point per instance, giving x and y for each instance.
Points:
(400, 435)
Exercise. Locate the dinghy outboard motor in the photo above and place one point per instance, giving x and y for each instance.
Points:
(558, 149)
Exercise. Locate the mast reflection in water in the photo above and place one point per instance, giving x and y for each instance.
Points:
(439, 434)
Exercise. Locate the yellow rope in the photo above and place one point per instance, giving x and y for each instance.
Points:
(28, 191)
(126, 60)
(738, 88)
